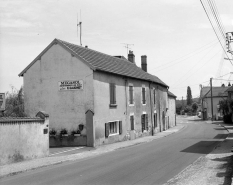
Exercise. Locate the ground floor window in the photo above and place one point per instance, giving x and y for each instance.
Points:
(144, 121)
(113, 127)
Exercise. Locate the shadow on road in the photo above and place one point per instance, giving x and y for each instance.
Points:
(221, 136)
(202, 147)
(226, 169)
(195, 120)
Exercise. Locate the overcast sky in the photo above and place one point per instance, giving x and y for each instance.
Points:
(181, 46)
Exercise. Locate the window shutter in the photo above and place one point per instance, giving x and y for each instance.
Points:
(107, 129)
(146, 125)
(120, 127)
(144, 95)
(132, 122)
(114, 93)
(131, 94)
(143, 122)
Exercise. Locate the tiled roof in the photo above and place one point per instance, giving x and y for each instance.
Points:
(216, 91)
(107, 63)
(171, 94)
(103, 62)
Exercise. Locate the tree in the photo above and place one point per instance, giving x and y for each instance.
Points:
(178, 108)
(194, 107)
(14, 103)
(189, 96)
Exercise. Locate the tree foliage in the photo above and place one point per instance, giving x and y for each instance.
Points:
(194, 107)
(189, 96)
(14, 103)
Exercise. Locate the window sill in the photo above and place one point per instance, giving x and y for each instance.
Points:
(112, 105)
(131, 104)
(113, 134)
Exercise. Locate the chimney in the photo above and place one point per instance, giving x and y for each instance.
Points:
(131, 57)
(144, 63)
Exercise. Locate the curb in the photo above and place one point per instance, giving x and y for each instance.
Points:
(72, 157)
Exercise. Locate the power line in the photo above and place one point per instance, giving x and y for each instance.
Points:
(193, 66)
(214, 30)
(181, 59)
(200, 67)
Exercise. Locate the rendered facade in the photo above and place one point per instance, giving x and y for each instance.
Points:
(110, 97)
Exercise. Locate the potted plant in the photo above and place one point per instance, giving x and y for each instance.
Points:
(63, 132)
(75, 133)
(52, 132)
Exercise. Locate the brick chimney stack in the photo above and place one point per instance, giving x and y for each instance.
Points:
(131, 57)
(144, 63)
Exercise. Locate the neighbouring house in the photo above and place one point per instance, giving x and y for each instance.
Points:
(106, 98)
(218, 93)
(229, 92)
(171, 110)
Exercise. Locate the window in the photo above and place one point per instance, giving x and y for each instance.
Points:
(131, 100)
(143, 95)
(132, 122)
(144, 121)
(154, 97)
(113, 127)
(112, 94)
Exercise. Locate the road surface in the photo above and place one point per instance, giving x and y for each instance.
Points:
(149, 163)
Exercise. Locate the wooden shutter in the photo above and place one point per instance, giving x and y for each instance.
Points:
(112, 93)
(120, 127)
(132, 122)
(107, 125)
(131, 94)
(155, 120)
(144, 95)
(143, 122)
(146, 120)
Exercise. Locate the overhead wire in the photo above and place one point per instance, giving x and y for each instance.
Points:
(181, 59)
(192, 67)
(199, 68)
(215, 31)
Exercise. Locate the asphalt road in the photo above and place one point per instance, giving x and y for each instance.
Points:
(150, 163)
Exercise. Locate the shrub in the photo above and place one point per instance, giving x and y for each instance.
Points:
(227, 118)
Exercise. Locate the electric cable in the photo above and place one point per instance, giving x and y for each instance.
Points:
(215, 30)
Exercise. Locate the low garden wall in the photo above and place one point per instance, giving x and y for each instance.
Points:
(24, 138)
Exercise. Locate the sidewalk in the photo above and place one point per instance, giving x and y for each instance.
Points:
(15, 168)
(213, 169)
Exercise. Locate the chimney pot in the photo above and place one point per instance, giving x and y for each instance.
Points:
(131, 57)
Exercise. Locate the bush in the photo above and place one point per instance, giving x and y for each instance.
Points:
(227, 118)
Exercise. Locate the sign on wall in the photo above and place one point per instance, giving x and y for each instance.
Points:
(67, 85)
(2, 101)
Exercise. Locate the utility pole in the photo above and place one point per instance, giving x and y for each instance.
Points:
(211, 92)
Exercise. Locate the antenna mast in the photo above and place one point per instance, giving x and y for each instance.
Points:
(127, 47)
(79, 24)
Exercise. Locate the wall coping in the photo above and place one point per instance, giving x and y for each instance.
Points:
(20, 119)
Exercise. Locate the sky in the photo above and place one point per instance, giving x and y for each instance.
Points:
(176, 35)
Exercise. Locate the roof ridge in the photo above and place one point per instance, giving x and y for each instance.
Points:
(93, 50)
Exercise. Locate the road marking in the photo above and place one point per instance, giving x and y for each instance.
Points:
(66, 151)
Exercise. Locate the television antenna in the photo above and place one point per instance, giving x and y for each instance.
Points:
(126, 45)
(79, 25)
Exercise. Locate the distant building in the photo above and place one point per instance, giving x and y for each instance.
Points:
(109, 99)
(218, 94)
